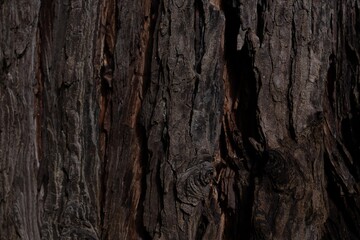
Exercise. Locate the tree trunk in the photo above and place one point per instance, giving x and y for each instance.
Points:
(159, 119)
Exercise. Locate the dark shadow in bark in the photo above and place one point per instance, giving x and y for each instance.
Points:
(141, 134)
(260, 31)
(140, 129)
(343, 206)
(202, 225)
(243, 91)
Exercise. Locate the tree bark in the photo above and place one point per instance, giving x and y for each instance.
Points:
(159, 119)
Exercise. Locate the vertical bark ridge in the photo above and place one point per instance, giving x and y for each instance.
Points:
(185, 83)
(125, 164)
(104, 67)
(18, 156)
(70, 206)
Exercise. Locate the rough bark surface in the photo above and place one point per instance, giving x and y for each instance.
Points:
(159, 119)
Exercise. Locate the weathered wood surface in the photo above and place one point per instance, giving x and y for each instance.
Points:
(204, 119)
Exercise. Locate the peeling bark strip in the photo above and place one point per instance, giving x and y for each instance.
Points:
(159, 119)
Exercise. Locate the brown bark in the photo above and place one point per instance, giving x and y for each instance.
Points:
(157, 119)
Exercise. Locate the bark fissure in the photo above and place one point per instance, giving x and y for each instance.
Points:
(292, 78)
(153, 19)
(107, 39)
(238, 125)
(199, 26)
(261, 20)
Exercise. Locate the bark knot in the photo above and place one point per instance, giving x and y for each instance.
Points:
(194, 184)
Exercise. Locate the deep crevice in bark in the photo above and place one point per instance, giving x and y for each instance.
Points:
(202, 225)
(199, 26)
(290, 98)
(140, 129)
(343, 210)
(261, 23)
(107, 36)
(141, 135)
(247, 109)
(242, 84)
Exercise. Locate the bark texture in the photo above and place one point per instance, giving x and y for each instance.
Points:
(179, 119)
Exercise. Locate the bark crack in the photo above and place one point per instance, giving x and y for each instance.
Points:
(199, 26)
(291, 78)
